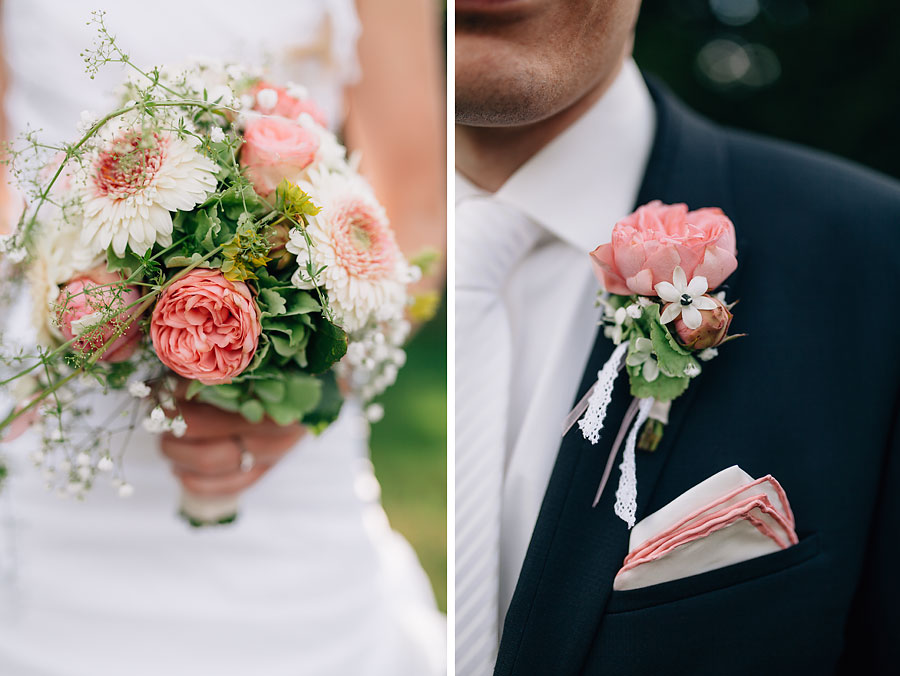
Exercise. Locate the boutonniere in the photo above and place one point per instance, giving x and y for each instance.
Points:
(660, 275)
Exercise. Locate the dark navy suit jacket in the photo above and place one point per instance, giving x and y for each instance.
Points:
(809, 396)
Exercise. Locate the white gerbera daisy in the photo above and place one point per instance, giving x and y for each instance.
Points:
(135, 182)
(365, 275)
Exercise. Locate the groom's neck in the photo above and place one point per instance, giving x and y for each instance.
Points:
(488, 156)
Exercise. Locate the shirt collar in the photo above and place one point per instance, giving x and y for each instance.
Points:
(587, 178)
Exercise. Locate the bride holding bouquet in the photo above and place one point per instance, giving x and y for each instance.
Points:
(309, 579)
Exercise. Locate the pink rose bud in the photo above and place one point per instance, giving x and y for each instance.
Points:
(712, 330)
(97, 295)
(206, 328)
(274, 149)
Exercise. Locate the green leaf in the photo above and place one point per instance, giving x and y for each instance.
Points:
(329, 407)
(271, 303)
(282, 345)
(663, 388)
(672, 358)
(253, 410)
(301, 303)
(193, 388)
(327, 345)
(269, 390)
(208, 226)
(179, 261)
(129, 261)
(211, 395)
(302, 395)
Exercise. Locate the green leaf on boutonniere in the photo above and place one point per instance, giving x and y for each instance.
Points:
(673, 358)
(663, 388)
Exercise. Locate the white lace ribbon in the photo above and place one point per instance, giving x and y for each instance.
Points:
(601, 395)
(626, 494)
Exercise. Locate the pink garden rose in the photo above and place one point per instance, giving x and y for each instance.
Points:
(205, 328)
(96, 292)
(275, 148)
(647, 245)
(289, 106)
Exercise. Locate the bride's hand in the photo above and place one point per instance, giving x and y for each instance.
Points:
(210, 458)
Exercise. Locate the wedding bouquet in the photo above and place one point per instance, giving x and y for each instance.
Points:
(211, 230)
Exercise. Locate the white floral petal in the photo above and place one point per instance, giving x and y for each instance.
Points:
(691, 317)
(650, 370)
(698, 286)
(679, 279)
(704, 303)
(671, 312)
(636, 358)
(668, 292)
(643, 344)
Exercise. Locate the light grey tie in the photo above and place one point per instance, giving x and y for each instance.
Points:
(490, 239)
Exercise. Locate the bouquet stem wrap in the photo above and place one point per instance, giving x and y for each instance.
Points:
(208, 510)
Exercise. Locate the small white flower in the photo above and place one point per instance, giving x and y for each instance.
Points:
(82, 459)
(138, 389)
(87, 120)
(156, 422)
(297, 91)
(633, 311)
(684, 299)
(178, 426)
(267, 98)
(615, 323)
(374, 412)
(86, 323)
(105, 464)
(126, 490)
(708, 353)
(692, 370)
(216, 135)
(246, 102)
(167, 401)
(643, 354)
(84, 473)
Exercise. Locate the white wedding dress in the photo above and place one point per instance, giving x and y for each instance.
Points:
(311, 579)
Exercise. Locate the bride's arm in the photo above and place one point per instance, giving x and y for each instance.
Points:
(396, 118)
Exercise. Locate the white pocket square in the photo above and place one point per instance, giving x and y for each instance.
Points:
(726, 519)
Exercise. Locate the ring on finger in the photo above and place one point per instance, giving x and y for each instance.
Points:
(248, 461)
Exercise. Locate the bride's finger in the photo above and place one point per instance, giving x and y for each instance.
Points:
(227, 484)
(222, 456)
(204, 421)
(202, 456)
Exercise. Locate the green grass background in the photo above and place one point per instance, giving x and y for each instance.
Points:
(409, 451)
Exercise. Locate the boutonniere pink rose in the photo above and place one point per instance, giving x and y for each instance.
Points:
(664, 311)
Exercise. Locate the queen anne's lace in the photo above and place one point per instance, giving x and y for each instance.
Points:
(592, 422)
(626, 494)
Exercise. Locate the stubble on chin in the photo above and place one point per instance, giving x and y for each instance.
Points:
(505, 98)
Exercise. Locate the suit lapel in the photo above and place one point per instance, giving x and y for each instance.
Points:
(576, 550)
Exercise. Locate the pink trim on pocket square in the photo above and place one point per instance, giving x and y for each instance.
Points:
(708, 510)
(769, 513)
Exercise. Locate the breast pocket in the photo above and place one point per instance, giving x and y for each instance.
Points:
(771, 615)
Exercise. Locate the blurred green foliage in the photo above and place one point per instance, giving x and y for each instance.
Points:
(409, 451)
(822, 73)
